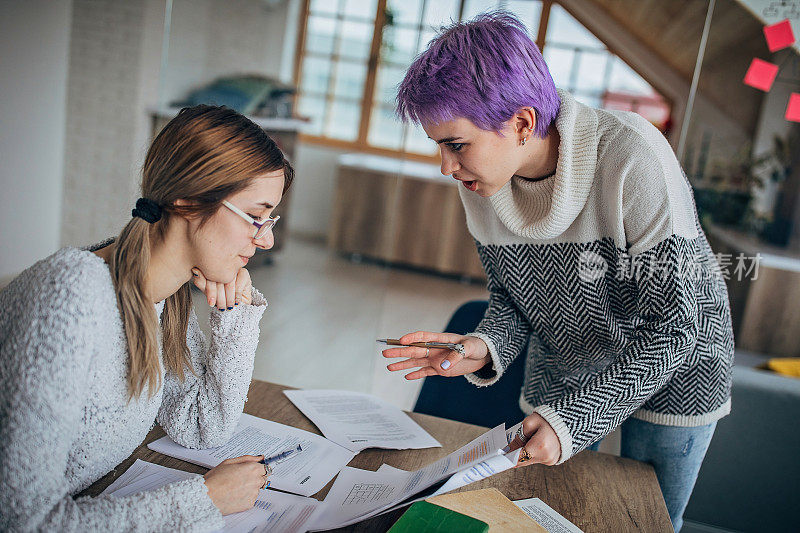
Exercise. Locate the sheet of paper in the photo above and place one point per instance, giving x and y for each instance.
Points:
(284, 513)
(761, 74)
(779, 35)
(273, 511)
(511, 433)
(143, 476)
(357, 421)
(468, 455)
(360, 494)
(546, 516)
(389, 468)
(487, 468)
(304, 473)
(793, 109)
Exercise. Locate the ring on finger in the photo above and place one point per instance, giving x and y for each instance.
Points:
(521, 435)
(524, 456)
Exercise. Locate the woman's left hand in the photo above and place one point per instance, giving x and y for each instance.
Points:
(542, 446)
(225, 295)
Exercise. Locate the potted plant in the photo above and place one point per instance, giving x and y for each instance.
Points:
(777, 164)
(724, 196)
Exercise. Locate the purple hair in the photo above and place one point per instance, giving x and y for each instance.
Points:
(484, 70)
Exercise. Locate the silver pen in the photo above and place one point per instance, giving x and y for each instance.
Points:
(444, 345)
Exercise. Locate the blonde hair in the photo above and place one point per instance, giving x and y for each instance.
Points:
(203, 155)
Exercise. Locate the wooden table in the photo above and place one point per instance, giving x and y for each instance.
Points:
(595, 491)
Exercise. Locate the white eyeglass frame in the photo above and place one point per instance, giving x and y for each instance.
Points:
(260, 228)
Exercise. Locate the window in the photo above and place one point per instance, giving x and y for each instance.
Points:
(352, 55)
(335, 65)
(580, 63)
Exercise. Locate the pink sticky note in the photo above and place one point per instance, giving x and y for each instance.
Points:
(761, 74)
(779, 35)
(793, 109)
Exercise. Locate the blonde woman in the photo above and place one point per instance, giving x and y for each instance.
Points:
(97, 344)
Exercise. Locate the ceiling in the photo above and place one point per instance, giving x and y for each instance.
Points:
(672, 30)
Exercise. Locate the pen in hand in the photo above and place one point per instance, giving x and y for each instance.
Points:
(445, 345)
(283, 455)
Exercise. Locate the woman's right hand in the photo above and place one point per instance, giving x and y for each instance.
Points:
(233, 484)
(225, 295)
(439, 361)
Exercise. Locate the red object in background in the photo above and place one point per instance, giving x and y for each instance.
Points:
(793, 109)
(779, 35)
(761, 74)
(651, 106)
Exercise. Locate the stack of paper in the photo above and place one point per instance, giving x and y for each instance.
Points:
(352, 422)
(355, 495)
(358, 421)
(273, 511)
(360, 494)
(305, 473)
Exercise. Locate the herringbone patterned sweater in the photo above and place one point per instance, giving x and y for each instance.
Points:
(604, 272)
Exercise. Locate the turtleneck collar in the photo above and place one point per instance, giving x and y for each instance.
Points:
(544, 209)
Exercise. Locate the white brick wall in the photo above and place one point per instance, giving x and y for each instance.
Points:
(113, 75)
(102, 110)
(212, 38)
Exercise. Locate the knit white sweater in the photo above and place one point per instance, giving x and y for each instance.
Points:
(65, 420)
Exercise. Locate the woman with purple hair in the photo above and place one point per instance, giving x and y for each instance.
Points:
(599, 272)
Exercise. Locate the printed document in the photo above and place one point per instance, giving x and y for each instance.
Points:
(273, 511)
(546, 516)
(360, 494)
(357, 421)
(304, 473)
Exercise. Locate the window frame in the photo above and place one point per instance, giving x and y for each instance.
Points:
(370, 80)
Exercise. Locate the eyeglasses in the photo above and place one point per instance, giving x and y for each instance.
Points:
(261, 228)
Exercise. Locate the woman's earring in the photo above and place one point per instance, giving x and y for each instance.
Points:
(522, 142)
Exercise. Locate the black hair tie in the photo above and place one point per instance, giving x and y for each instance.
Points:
(148, 210)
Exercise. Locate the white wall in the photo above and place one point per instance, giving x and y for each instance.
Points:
(102, 113)
(34, 37)
(212, 38)
(313, 190)
(115, 78)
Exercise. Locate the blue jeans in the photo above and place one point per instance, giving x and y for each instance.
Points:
(676, 453)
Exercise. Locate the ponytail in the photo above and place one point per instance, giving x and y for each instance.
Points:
(204, 155)
(129, 265)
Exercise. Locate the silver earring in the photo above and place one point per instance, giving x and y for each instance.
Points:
(522, 142)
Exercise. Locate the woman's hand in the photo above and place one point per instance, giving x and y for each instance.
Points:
(233, 484)
(542, 444)
(225, 295)
(439, 361)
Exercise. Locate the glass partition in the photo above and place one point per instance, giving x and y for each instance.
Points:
(740, 150)
(375, 242)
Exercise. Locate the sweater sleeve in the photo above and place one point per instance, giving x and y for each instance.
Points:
(202, 411)
(504, 329)
(47, 353)
(662, 270)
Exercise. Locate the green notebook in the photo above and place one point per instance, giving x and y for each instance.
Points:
(424, 516)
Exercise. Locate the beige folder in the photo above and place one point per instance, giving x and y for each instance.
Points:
(490, 506)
